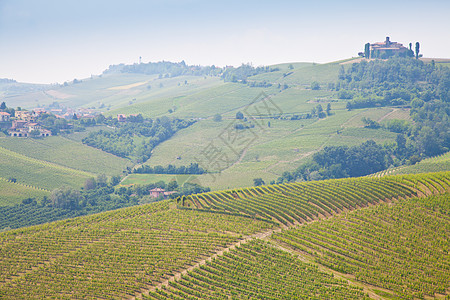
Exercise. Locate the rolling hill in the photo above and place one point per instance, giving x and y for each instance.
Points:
(245, 242)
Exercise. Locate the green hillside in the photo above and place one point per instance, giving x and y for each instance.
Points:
(13, 193)
(39, 173)
(239, 243)
(433, 164)
(67, 153)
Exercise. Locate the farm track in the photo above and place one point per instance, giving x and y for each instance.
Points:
(265, 235)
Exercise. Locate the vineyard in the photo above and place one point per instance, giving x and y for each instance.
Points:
(296, 203)
(257, 270)
(113, 254)
(39, 173)
(438, 163)
(403, 247)
(13, 193)
(68, 153)
(245, 244)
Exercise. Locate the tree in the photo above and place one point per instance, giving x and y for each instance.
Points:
(290, 67)
(115, 180)
(258, 182)
(35, 133)
(74, 117)
(173, 185)
(3, 105)
(217, 118)
(315, 85)
(66, 198)
(239, 115)
(417, 50)
(90, 184)
(367, 50)
(102, 180)
(328, 109)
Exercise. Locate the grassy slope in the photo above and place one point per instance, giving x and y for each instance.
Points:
(284, 146)
(68, 153)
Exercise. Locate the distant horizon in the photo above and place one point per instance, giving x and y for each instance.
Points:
(187, 63)
(53, 42)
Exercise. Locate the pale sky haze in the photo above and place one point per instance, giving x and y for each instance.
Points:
(49, 41)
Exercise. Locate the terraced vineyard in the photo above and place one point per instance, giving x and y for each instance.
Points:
(438, 163)
(257, 270)
(296, 203)
(403, 247)
(113, 254)
(209, 245)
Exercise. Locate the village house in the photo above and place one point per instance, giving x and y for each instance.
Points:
(121, 117)
(4, 116)
(156, 192)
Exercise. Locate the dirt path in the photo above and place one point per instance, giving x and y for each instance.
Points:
(387, 115)
(265, 235)
(177, 275)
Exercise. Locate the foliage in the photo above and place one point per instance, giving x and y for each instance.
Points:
(136, 139)
(342, 161)
(169, 69)
(193, 168)
(244, 71)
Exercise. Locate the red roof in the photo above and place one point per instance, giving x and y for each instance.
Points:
(4, 113)
(157, 190)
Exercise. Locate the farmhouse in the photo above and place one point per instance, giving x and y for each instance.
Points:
(156, 192)
(121, 117)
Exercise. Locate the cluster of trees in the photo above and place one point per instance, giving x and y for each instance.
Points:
(193, 168)
(136, 139)
(241, 73)
(98, 195)
(394, 81)
(166, 69)
(341, 162)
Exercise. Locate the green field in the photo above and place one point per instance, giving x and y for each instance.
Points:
(265, 242)
(67, 153)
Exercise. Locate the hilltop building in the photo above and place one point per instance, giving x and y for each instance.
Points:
(387, 49)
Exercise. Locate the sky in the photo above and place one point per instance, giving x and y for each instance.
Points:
(52, 41)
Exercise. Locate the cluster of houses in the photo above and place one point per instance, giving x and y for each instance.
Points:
(24, 123)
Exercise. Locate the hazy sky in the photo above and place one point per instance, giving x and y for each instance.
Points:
(47, 41)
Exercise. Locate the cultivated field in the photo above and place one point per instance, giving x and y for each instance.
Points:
(265, 242)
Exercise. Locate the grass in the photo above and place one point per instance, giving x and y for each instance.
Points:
(68, 153)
